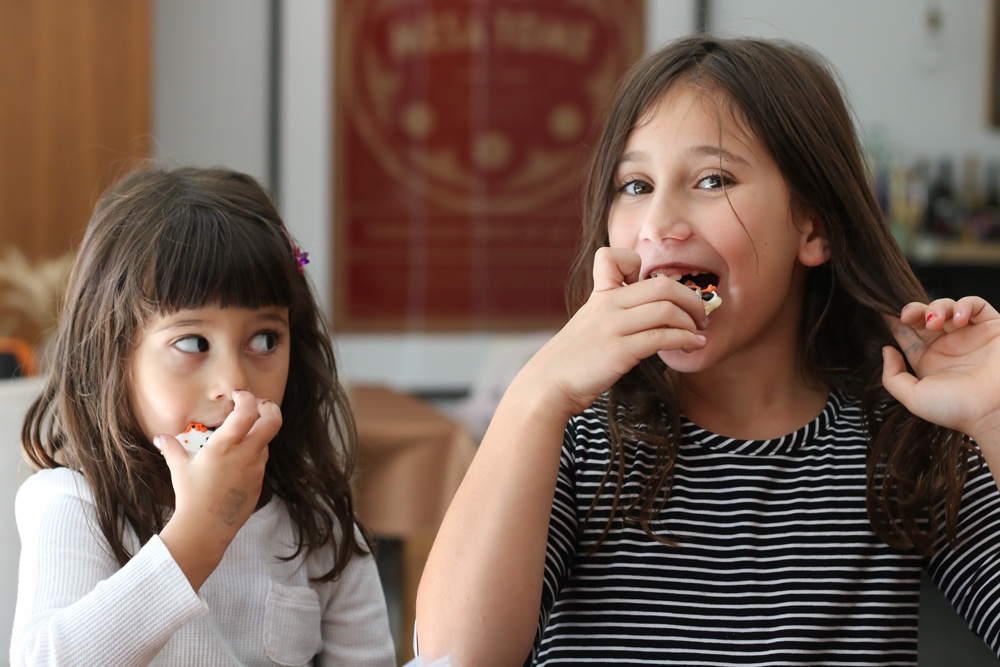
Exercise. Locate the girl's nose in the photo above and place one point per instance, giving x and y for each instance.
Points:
(230, 375)
(665, 219)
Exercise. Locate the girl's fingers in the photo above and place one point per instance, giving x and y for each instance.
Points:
(909, 340)
(253, 423)
(665, 290)
(615, 266)
(921, 324)
(240, 422)
(948, 315)
(266, 426)
(913, 314)
(173, 451)
(895, 377)
(664, 340)
(658, 295)
(935, 316)
(237, 423)
(660, 326)
(268, 410)
(659, 314)
(974, 310)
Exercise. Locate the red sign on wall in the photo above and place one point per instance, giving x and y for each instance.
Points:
(462, 133)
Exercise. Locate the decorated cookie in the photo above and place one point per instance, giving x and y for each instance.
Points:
(194, 437)
(709, 296)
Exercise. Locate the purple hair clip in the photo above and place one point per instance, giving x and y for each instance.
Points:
(301, 256)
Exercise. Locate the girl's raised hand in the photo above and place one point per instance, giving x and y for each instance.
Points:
(217, 490)
(953, 348)
(482, 583)
(623, 322)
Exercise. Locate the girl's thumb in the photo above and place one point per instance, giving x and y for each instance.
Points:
(171, 449)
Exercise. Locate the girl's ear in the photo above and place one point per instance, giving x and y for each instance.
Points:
(814, 244)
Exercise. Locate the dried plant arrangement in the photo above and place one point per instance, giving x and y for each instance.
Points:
(31, 290)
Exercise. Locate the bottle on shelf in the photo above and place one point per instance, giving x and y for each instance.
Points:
(991, 200)
(941, 217)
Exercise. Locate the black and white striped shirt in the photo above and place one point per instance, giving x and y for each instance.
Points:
(775, 561)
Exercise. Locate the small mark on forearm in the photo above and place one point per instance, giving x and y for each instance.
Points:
(230, 506)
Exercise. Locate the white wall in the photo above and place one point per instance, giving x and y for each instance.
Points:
(928, 95)
(926, 98)
(210, 83)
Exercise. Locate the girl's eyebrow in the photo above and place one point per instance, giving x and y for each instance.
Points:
(696, 151)
(716, 151)
(274, 317)
(267, 316)
(177, 324)
(632, 156)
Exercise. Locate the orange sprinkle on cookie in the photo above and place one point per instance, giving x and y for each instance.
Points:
(194, 437)
(709, 296)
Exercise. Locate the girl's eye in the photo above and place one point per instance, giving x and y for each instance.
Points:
(636, 187)
(714, 182)
(264, 342)
(192, 344)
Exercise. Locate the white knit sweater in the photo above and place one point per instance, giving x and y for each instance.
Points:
(76, 606)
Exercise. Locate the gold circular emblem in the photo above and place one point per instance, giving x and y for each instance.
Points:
(482, 107)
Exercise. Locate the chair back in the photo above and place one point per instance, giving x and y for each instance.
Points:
(16, 395)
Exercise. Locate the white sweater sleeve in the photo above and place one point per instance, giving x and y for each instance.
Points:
(75, 605)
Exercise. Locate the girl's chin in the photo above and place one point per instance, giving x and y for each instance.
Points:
(685, 362)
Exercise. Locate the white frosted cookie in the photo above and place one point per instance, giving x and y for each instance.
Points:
(194, 437)
(710, 298)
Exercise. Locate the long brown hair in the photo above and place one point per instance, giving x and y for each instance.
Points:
(788, 98)
(160, 241)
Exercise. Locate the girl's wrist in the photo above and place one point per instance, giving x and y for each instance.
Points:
(539, 399)
(195, 546)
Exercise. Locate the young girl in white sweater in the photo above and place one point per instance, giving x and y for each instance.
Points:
(188, 304)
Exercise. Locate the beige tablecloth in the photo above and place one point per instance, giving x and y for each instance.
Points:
(412, 458)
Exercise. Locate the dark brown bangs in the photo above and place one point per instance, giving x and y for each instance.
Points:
(206, 258)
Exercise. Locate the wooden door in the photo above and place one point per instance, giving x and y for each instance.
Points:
(74, 111)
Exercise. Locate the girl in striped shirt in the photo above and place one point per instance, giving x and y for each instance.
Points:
(762, 486)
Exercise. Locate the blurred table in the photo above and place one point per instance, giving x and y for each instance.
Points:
(411, 459)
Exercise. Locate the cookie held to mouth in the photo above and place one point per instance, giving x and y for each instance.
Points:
(710, 298)
(194, 437)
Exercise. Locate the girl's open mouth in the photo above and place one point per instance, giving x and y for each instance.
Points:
(706, 284)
